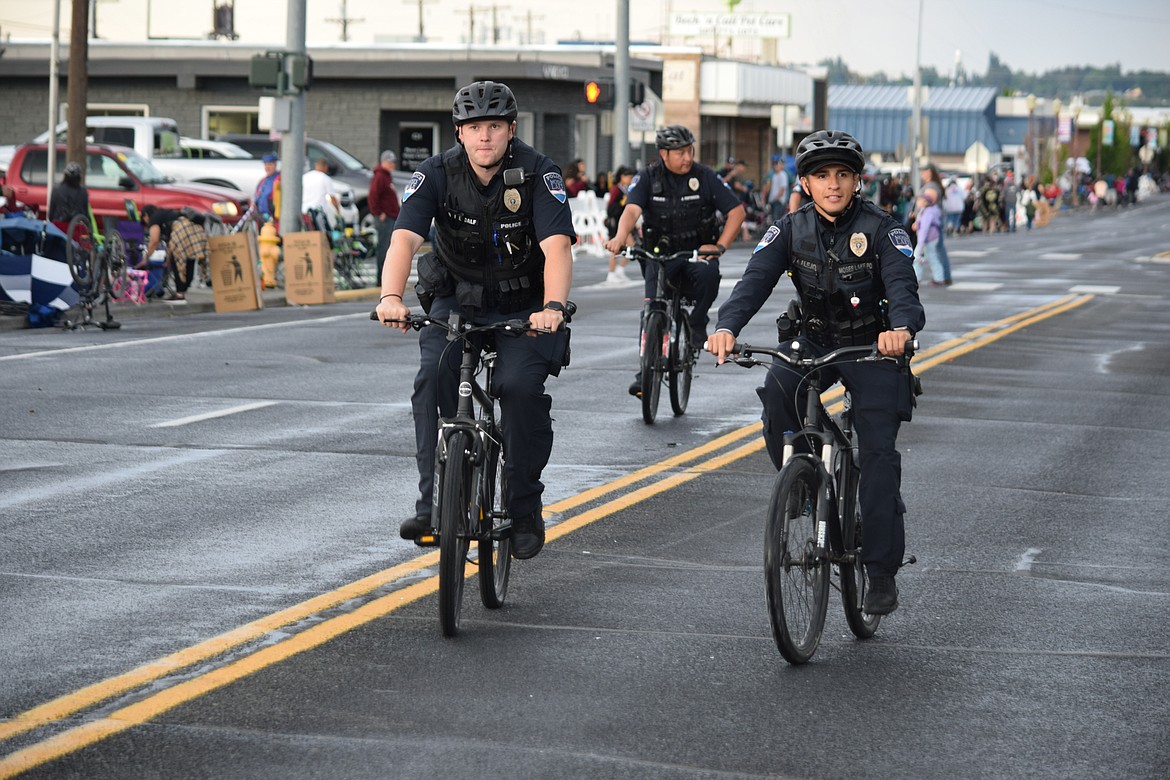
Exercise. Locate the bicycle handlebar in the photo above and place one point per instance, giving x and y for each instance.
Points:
(419, 321)
(859, 354)
(691, 256)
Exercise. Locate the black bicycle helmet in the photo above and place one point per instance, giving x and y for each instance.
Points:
(72, 171)
(483, 99)
(828, 147)
(674, 137)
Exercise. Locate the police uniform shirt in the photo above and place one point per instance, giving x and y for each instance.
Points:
(770, 261)
(425, 194)
(700, 181)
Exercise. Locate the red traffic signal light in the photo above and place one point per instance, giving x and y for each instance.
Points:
(599, 93)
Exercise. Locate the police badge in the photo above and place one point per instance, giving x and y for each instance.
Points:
(512, 199)
(693, 184)
(858, 243)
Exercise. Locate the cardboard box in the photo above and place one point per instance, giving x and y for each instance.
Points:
(233, 274)
(308, 268)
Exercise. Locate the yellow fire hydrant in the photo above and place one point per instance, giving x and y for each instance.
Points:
(269, 254)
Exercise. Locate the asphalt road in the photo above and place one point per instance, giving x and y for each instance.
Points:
(200, 575)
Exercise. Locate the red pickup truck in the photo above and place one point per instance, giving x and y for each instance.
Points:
(114, 175)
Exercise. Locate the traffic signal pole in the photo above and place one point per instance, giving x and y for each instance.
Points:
(292, 144)
(621, 86)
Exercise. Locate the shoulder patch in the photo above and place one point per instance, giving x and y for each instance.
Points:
(901, 241)
(634, 182)
(767, 238)
(412, 186)
(556, 186)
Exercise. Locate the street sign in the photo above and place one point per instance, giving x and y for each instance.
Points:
(692, 23)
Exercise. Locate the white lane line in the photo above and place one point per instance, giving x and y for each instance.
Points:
(1061, 256)
(1025, 561)
(212, 415)
(977, 286)
(968, 252)
(1095, 289)
(178, 337)
(78, 485)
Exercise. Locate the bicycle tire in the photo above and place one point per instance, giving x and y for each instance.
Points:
(854, 581)
(681, 365)
(453, 526)
(796, 571)
(115, 266)
(653, 352)
(81, 254)
(495, 540)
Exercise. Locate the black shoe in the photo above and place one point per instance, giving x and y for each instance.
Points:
(528, 535)
(636, 386)
(414, 527)
(882, 596)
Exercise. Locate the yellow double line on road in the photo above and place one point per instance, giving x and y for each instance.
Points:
(153, 705)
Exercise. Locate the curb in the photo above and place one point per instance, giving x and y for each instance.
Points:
(199, 301)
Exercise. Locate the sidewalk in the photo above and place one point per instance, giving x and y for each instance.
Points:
(199, 300)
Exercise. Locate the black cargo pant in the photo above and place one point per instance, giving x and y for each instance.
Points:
(523, 364)
(881, 401)
(699, 281)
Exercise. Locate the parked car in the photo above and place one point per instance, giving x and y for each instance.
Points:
(202, 149)
(344, 167)
(157, 139)
(115, 175)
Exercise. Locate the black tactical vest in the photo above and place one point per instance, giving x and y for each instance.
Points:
(842, 295)
(677, 221)
(489, 240)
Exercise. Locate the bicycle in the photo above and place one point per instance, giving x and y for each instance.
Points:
(470, 490)
(97, 264)
(814, 525)
(351, 250)
(667, 352)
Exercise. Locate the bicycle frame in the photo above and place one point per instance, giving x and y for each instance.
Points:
(818, 536)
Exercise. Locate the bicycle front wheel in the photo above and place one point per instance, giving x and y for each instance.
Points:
(796, 570)
(682, 361)
(654, 352)
(454, 509)
(495, 540)
(81, 255)
(853, 577)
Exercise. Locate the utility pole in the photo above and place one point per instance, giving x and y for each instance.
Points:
(916, 114)
(292, 144)
(421, 37)
(54, 79)
(345, 20)
(78, 82)
(528, 19)
(621, 86)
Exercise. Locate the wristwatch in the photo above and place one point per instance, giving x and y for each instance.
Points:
(558, 306)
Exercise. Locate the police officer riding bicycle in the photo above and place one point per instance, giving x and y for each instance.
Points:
(502, 250)
(678, 200)
(853, 270)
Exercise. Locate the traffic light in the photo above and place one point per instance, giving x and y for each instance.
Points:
(265, 71)
(599, 93)
(637, 92)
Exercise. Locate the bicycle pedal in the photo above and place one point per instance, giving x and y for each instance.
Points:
(427, 540)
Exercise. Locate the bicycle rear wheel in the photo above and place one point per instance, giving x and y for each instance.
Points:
(495, 539)
(654, 352)
(81, 255)
(853, 577)
(453, 530)
(682, 361)
(115, 271)
(796, 571)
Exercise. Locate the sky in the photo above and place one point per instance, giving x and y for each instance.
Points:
(1027, 35)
